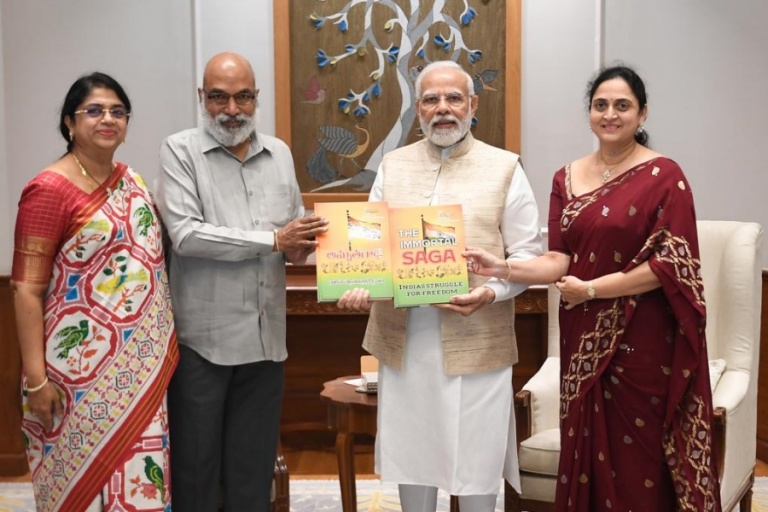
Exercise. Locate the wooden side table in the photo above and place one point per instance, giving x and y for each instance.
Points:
(350, 413)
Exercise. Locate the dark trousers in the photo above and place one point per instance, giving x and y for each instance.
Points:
(224, 426)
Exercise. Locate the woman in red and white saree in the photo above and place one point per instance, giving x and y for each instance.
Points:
(94, 319)
(635, 403)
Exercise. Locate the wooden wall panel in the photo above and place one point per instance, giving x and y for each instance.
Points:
(762, 380)
(13, 460)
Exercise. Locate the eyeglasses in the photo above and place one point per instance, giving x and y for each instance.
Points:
(222, 98)
(97, 112)
(454, 99)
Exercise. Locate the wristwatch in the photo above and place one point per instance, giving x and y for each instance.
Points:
(590, 290)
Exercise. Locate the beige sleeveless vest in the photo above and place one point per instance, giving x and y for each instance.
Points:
(477, 176)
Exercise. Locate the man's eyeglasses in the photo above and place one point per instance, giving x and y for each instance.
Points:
(97, 112)
(222, 98)
(454, 99)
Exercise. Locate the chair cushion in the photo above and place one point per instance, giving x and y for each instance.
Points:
(716, 369)
(540, 453)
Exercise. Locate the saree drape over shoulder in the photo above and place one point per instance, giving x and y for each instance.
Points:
(110, 345)
(636, 406)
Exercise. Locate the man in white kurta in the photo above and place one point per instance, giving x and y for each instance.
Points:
(445, 379)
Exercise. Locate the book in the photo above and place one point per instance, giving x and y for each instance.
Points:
(355, 251)
(427, 264)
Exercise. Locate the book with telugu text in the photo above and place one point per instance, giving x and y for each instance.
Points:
(427, 264)
(355, 251)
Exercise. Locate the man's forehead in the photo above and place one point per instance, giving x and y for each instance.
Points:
(229, 76)
(229, 83)
(442, 80)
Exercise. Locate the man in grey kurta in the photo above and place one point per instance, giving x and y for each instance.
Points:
(230, 202)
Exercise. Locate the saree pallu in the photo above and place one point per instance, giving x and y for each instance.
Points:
(110, 344)
(636, 406)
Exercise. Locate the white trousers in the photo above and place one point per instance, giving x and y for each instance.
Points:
(456, 433)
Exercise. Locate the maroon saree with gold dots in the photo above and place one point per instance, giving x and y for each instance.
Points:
(636, 407)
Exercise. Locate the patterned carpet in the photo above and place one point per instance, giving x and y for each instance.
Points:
(372, 496)
(323, 496)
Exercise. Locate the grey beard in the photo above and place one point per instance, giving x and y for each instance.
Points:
(228, 137)
(446, 138)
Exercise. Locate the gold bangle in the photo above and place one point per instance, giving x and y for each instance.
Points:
(277, 244)
(38, 387)
(509, 268)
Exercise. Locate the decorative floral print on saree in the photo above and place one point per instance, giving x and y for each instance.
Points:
(110, 345)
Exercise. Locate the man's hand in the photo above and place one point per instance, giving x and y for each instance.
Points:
(297, 239)
(356, 299)
(468, 303)
(299, 256)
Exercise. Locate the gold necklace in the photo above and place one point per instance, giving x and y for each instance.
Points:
(88, 175)
(607, 173)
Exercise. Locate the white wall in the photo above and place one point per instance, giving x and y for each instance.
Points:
(144, 44)
(706, 72)
(561, 44)
(246, 27)
(703, 62)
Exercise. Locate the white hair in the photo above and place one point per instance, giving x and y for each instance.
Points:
(228, 137)
(443, 64)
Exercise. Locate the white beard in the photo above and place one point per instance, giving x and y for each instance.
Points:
(228, 137)
(446, 137)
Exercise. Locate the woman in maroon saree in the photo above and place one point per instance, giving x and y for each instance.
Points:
(636, 407)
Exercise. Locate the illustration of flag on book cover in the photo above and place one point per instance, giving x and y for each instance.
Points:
(427, 242)
(355, 251)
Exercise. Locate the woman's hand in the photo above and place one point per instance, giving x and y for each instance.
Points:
(483, 263)
(356, 299)
(44, 404)
(468, 303)
(573, 291)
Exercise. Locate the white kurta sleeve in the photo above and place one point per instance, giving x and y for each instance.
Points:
(519, 230)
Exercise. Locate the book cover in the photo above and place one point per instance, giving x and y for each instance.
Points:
(427, 242)
(355, 251)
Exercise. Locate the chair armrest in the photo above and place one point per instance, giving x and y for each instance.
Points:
(719, 421)
(544, 398)
(731, 390)
(735, 430)
(281, 499)
(522, 414)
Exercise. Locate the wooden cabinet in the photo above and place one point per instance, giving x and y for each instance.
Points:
(13, 460)
(762, 380)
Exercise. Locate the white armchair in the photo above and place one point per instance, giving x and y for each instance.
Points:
(731, 264)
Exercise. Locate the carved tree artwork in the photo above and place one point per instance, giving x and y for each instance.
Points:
(351, 73)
